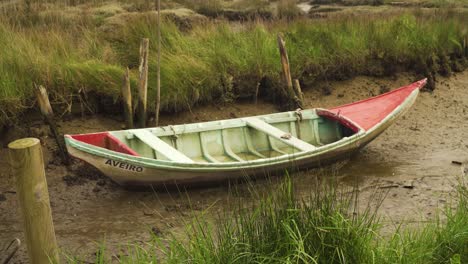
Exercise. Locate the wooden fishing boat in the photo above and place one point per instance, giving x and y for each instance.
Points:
(229, 149)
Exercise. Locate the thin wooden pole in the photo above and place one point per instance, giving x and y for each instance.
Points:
(285, 66)
(298, 91)
(46, 110)
(127, 100)
(27, 163)
(256, 92)
(465, 46)
(10, 251)
(143, 82)
(158, 68)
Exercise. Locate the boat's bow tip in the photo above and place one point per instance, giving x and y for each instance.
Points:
(421, 83)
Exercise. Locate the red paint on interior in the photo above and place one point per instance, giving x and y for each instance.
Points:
(339, 118)
(369, 112)
(105, 140)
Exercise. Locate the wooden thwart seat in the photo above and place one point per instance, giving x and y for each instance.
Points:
(277, 134)
(161, 147)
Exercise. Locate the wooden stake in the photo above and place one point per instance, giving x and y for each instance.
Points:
(46, 110)
(256, 92)
(286, 69)
(27, 163)
(127, 100)
(298, 91)
(143, 82)
(465, 46)
(158, 67)
(10, 251)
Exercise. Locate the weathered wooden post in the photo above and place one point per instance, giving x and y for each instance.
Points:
(289, 90)
(257, 88)
(46, 110)
(143, 82)
(465, 46)
(298, 91)
(158, 67)
(28, 167)
(127, 100)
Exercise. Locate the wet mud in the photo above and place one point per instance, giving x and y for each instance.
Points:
(411, 163)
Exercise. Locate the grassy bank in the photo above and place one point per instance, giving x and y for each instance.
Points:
(325, 227)
(79, 50)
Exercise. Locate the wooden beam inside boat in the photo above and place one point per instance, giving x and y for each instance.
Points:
(204, 149)
(227, 147)
(249, 144)
(277, 134)
(160, 146)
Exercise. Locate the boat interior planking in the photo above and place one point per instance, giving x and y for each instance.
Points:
(234, 140)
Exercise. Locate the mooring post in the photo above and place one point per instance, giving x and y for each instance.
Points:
(143, 82)
(158, 67)
(26, 160)
(289, 91)
(48, 114)
(127, 100)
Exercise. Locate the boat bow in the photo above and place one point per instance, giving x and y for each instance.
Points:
(370, 112)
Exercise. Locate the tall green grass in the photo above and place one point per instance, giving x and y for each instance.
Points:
(82, 50)
(324, 227)
(444, 241)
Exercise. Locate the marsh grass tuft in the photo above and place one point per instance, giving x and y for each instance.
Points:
(281, 229)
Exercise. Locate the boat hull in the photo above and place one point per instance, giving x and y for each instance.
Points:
(133, 174)
(134, 171)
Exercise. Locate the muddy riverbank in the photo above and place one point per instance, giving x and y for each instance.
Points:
(412, 160)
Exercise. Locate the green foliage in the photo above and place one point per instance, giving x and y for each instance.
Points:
(445, 241)
(446, 3)
(282, 229)
(288, 9)
(75, 50)
(452, 237)
(323, 227)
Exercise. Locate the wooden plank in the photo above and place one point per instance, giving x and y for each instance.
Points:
(205, 152)
(277, 133)
(316, 132)
(160, 146)
(249, 144)
(227, 148)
